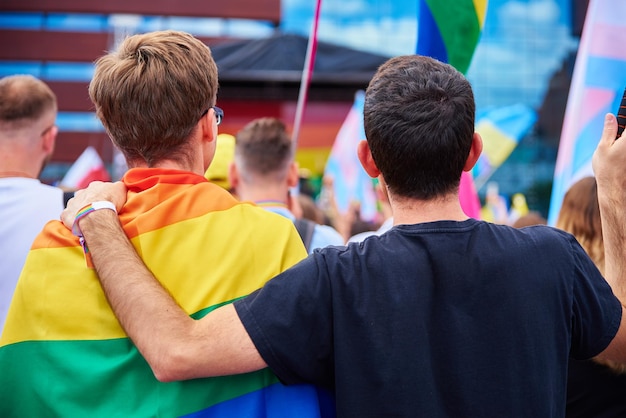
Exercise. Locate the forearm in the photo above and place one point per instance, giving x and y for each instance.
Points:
(614, 236)
(609, 161)
(148, 314)
(175, 346)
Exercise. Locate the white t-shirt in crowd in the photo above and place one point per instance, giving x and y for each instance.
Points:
(26, 205)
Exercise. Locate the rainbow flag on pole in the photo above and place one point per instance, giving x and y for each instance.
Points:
(63, 352)
(449, 30)
(597, 86)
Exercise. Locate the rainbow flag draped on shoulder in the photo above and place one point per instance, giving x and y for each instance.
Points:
(63, 352)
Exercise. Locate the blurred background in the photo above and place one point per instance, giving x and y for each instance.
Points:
(521, 71)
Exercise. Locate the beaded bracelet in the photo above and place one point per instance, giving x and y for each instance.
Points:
(86, 210)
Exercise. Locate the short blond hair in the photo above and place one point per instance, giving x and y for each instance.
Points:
(24, 99)
(151, 92)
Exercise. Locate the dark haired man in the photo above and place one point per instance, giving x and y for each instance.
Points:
(440, 316)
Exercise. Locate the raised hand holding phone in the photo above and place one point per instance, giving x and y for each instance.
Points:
(621, 116)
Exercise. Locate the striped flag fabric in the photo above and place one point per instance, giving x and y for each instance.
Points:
(501, 129)
(87, 168)
(63, 352)
(449, 30)
(350, 181)
(597, 85)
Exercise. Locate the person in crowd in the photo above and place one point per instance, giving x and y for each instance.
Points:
(443, 315)
(63, 352)
(529, 219)
(28, 111)
(385, 210)
(264, 172)
(594, 389)
(309, 209)
(217, 173)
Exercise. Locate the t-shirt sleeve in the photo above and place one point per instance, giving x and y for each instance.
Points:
(596, 311)
(289, 321)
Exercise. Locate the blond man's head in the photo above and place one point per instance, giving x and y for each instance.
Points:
(151, 92)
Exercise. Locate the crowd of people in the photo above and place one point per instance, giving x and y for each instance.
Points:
(192, 286)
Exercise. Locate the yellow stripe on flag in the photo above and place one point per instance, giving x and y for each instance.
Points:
(74, 304)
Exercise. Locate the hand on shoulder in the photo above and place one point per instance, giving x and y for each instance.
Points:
(95, 192)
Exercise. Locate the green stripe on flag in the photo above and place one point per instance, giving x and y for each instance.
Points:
(44, 383)
(459, 28)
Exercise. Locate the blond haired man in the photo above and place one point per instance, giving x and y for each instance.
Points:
(63, 352)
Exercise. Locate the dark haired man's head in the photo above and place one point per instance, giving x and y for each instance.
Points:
(419, 123)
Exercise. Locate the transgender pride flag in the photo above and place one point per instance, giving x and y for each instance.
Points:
(350, 181)
(597, 85)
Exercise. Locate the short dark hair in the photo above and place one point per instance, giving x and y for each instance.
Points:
(263, 149)
(419, 123)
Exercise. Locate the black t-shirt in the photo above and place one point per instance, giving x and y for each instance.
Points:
(595, 391)
(456, 319)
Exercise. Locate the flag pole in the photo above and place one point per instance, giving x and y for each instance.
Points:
(309, 63)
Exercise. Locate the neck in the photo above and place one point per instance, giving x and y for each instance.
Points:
(169, 164)
(413, 211)
(5, 174)
(276, 194)
(270, 202)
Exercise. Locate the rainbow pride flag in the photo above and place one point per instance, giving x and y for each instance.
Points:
(63, 352)
(449, 30)
(597, 85)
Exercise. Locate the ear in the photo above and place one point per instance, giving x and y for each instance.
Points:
(208, 126)
(49, 139)
(293, 178)
(233, 176)
(475, 151)
(367, 161)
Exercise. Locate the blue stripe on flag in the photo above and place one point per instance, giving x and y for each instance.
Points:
(429, 40)
(605, 73)
(275, 401)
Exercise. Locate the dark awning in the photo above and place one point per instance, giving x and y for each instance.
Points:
(281, 58)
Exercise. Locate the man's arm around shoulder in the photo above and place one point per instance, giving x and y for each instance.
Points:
(176, 346)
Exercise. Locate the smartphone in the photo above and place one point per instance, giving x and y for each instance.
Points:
(621, 116)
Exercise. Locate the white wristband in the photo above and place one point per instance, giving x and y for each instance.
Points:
(93, 206)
